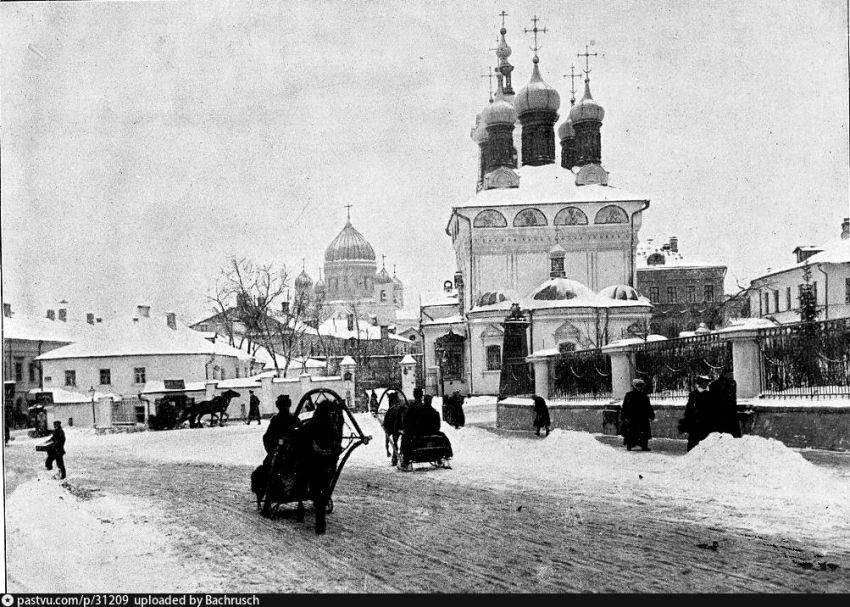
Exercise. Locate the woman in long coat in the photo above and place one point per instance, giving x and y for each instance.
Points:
(541, 415)
(637, 413)
(697, 421)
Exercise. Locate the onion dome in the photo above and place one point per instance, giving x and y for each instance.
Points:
(537, 95)
(383, 277)
(562, 289)
(503, 51)
(303, 280)
(349, 244)
(587, 109)
(398, 284)
(501, 111)
(621, 292)
(320, 287)
(565, 131)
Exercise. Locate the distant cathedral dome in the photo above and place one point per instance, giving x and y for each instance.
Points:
(303, 280)
(398, 284)
(621, 292)
(383, 277)
(566, 129)
(319, 287)
(561, 289)
(537, 95)
(587, 109)
(349, 244)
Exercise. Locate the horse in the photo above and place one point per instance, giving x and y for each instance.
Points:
(216, 408)
(393, 424)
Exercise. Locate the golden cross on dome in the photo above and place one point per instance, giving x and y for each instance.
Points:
(587, 57)
(489, 75)
(572, 76)
(535, 30)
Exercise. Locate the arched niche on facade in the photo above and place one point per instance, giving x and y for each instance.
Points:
(488, 218)
(529, 218)
(611, 214)
(570, 216)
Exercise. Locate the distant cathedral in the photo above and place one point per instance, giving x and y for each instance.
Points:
(352, 282)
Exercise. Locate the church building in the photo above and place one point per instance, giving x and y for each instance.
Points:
(553, 237)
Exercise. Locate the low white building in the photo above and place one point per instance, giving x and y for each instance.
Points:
(776, 294)
(121, 355)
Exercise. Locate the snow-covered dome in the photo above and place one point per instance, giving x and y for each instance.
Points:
(500, 111)
(587, 109)
(349, 244)
(622, 292)
(537, 95)
(303, 280)
(383, 277)
(494, 297)
(398, 284)
(566, 129)
(562, 289)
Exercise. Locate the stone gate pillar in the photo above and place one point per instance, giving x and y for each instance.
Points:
(408, 375)
(746, 361)
(622, 369)
(541, 374)
(347, 367)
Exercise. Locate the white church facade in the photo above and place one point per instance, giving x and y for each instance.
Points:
(555, 238)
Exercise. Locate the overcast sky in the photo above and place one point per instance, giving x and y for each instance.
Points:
(144, 143)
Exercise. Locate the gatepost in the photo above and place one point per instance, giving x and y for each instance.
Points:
(541, 374)
(408, 375)
(104, 413)
(622, 369)
(267, 398)
(347, 367)
(746, 361)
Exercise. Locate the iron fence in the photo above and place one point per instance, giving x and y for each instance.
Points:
(585, 374)
(670, 367)
(517, 378)
(806, 359)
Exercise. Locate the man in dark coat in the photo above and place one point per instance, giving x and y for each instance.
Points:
(456, 417)
(637, 413)
(697, 420)
(541, 416)
(723, 392)
(253, 408)
(56, 449)
(281, 426)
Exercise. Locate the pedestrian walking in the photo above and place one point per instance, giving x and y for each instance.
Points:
(698, 413)
(723, 392)
(455, 410)
(56, 449)
(541, 416)
(637, 413)
(253, 408)
(373, 403)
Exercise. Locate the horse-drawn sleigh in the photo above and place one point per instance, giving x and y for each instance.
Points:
(431, 448)
(176, 409)
(306, 465)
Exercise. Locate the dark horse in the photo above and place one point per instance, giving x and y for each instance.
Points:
(216, 408)
(393, 424)
(303, 467)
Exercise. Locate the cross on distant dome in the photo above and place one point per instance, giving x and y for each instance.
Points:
(348, 207)
(383, 261)
(572, 76)
(503, 14)
(587, 57)
(535, 31)
(393, 269)
(489, 75)
(303, 264)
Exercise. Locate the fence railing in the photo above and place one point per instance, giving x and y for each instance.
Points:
(806, 359)
(585, 374)
(670, 367)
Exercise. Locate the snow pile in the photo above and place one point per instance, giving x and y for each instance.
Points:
(721, 459)
(53, 532)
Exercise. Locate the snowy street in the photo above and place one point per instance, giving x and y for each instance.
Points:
(172, 512)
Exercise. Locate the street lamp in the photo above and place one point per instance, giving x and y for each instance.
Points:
(92, 391)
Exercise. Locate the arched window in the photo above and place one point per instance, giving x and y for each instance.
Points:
(570, 216)
(529, 218)
(611, 214)
(488, 218)
(494, 358)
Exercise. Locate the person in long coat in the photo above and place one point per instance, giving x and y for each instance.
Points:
(282, 426)
(637, 413)
(723, 392)
(56, 449)
(456, 417)
(253, 408)
(697, 421)
(541, 416)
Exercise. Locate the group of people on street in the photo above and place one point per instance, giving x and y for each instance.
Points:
(421, 419)
(711, 407)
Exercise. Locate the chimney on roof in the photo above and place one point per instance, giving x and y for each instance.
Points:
(845, 228)
(7, 310)
(674, 244)
(143, 311)
(98, 320)
(385, 332)
(63, 314)
(51, 314)
(171, 320)
(90, 318)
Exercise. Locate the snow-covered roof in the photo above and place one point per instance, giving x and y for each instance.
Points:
(131, 336)
(337, 327)
(155, 386)
(68, 397)
(438, 298)
(34, 328)
(448, 320)
(549, 183)
(834, 251)
(672, 259)
(263, 356)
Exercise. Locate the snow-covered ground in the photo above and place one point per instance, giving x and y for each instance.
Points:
(751, 483)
